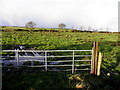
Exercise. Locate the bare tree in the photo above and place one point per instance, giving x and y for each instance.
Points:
(62, 26)
(81, 28)
(30, 24)
(89, 28)
(107, 29)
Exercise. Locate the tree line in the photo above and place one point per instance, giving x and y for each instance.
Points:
(61, 26)
(32, 24)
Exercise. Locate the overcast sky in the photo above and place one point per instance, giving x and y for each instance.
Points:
(49, 13)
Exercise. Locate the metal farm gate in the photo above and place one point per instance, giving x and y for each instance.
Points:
(55, 60)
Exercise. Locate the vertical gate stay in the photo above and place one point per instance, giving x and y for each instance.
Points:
(17, 56)
(46, 60)
(92, 61)
(73, 63)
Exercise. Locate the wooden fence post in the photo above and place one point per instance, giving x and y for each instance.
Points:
(99, 63)
(94, 58)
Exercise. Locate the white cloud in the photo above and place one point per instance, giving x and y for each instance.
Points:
(49, 13)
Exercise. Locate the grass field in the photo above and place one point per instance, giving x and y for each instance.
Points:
(56, 39)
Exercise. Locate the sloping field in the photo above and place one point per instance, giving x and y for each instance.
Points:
(66, 40)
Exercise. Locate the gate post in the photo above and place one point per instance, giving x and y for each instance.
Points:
(94, 58)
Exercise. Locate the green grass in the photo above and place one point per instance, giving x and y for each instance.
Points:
(108, 42)
(37, 81)
(57, 39)
(34, 79)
